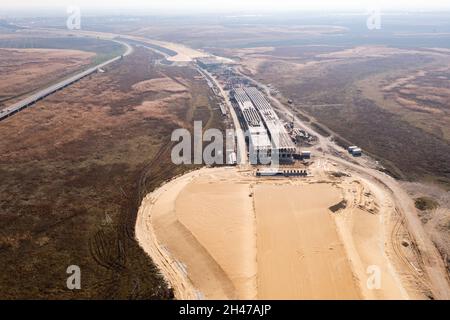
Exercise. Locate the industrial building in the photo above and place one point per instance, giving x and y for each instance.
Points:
(257, 137)
(266, 133)
(281, 141)
(284, 173)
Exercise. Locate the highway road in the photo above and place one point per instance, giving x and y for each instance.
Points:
(32, 99)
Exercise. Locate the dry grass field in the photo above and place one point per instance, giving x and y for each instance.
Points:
(73, 171)
(217, 34)
(25, 70)
(421, 97)
(29, 62)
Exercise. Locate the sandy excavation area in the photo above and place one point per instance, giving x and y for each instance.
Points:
(224, 234)
(300, 255)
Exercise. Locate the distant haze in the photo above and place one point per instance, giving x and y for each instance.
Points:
(218, 6)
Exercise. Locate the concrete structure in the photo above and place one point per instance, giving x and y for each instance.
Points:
(281, 141)
(256, 137)
(266, 133)
(232, 159)
(223, 110)
(25, 103)
(284, 173)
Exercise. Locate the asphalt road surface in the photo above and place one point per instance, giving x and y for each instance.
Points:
(30, 100)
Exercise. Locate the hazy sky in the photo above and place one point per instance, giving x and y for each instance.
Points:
(231, 5)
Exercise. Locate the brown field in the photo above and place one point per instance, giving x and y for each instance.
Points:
(160, 84)
(25, 70)
(32, 59)
(73, 171)
(420, 97)
(228, 36)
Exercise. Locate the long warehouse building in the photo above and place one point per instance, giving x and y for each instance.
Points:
(281, 141)
(257, 137)
(266, 133)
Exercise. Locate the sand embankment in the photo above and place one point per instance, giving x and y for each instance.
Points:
(223, 233)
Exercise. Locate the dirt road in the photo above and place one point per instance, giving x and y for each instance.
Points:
(435, 276)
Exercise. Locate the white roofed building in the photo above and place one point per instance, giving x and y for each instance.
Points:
(265, 131)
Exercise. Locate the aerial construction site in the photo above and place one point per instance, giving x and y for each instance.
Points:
(236, 155)
(315, 226)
